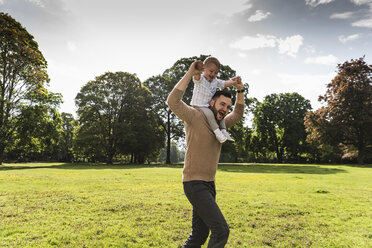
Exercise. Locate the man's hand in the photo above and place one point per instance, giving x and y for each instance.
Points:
(238, 83)
(196, 68)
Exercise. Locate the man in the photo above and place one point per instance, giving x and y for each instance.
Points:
(203, 152)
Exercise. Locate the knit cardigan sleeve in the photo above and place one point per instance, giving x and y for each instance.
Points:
(235, 116)
(180, 108)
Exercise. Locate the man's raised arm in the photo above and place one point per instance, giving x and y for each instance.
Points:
(174, 100)
(238, 111)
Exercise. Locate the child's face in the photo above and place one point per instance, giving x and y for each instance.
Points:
(210, 71)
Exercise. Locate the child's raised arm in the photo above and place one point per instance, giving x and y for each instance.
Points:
(232, 82)
(198, 66)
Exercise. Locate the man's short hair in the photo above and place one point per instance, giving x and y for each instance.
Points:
(221, 92)
(212, 60)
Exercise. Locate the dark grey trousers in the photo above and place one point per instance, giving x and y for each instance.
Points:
(206, 215)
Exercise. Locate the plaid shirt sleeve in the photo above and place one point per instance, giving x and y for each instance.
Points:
(220, 83)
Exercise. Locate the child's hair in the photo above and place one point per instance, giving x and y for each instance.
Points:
(212, 60)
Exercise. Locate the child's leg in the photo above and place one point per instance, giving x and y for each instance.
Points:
(210, 118)
(224, 131)
(213, 124)
(222, 124)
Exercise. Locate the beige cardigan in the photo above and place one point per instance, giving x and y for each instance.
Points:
(203, 149)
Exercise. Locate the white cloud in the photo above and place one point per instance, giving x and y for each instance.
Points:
(322, 60)
(310, 86)
(309, 49)
(37, 2)
(360, 2)
(315, 3)
(242, 55)
(250, 43)
(226, 8)
(366, 23)
(259, 16)
(2, 2)
(345, 15)
(352, 37)
(290, 45)
(256, 72)
(71, 46)
(305, 79)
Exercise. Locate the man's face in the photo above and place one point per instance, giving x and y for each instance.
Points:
(221, 106)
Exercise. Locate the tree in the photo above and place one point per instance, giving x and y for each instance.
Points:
(239, 150)
(146, 134)
(279, 122)
(160, 87)
(38, 128)
(177, 155)
(23, 76)
(115, 118)
(346, 120)
(67, 138)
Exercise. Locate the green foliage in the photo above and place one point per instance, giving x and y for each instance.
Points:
(27, 109)
(279, 122)
(265, 205)
(176, 154)
(160, 87)
(38, 129)
(115, 118)
(65, 147)
(345, 123)
(119, 118)
(241, 149)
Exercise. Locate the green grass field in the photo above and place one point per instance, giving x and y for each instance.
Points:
(266, 205)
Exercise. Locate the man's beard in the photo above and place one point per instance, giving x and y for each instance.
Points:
(215, 112)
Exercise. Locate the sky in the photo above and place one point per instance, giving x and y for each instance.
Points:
(276, 46)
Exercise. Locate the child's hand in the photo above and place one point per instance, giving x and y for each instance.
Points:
(238, 83)
(236, 79)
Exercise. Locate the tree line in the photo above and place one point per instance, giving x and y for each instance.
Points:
(121, 119)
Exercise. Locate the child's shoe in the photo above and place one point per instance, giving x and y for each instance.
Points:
(227, 135)
(220, 136)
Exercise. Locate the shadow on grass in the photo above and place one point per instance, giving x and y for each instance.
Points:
(280, 168)
(237, 168)
(83, 166)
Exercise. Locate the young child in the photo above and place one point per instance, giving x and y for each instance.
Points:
(205, 85)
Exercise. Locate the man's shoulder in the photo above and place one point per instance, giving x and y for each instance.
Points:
(196, 113)
(181, 109)
(196, 110)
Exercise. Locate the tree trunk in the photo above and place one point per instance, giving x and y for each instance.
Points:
(109, 160)
(361, 155)
(278, 152)
(279, 156)
(141, 159)
(168, 160)
(1, 154)
(110, 157)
